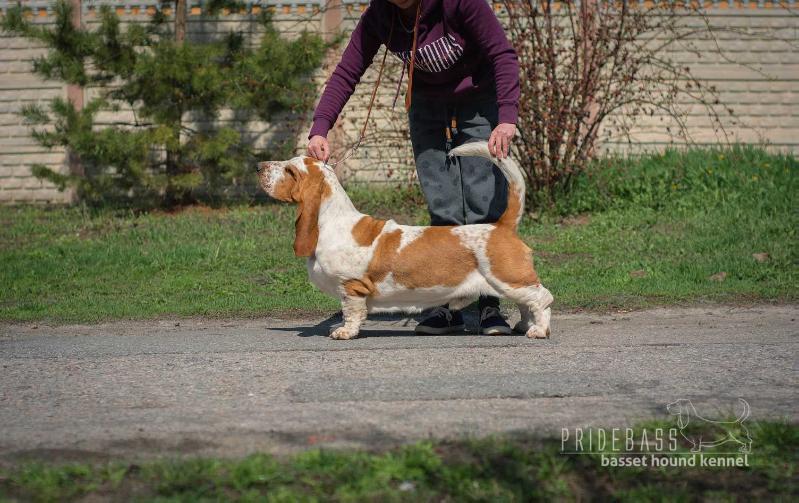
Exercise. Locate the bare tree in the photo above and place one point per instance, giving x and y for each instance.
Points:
(590, 69)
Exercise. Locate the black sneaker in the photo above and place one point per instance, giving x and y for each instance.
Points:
(441, 321)
(492, 322)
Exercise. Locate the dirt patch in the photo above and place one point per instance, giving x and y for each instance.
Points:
(62, 455)
(197, 209)
(583, 219)
(187, 445)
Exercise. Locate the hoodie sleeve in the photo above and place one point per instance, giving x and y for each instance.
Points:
(356, 59)
(482, 25)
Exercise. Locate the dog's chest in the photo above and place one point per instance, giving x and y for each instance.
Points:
(342, 261)
(321, 279)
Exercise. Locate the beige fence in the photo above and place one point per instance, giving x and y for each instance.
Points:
(753, 60)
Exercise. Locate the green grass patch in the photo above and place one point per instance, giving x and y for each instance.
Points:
(500, 468)
(634, 233)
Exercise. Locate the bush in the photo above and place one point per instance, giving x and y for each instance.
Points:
(589, 72)
(157, 159)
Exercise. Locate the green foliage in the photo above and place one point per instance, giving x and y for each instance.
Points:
(70, 47)
(737, 177)
(521, 467)
(166, 153)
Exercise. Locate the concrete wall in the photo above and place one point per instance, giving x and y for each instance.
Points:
(756, 71)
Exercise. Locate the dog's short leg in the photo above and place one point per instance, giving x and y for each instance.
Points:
(354, 311)
(526, 321)
(533, 302)
(460, 303)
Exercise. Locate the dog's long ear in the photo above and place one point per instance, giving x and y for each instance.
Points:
(310, 196)
(296, 178)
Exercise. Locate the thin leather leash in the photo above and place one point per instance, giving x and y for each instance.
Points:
(362, 134)
(413, 57)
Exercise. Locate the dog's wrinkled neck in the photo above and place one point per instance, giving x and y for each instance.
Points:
(337, 206)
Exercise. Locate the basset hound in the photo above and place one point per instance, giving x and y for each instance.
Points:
(379, 265)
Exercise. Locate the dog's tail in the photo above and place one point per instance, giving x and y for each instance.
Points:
(516, 186)
(745, 412)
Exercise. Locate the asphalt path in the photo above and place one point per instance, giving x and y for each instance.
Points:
(200, 387)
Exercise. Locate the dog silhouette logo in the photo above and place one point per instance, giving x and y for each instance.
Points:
(701, 432)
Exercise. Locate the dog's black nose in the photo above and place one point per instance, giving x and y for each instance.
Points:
(258, 168)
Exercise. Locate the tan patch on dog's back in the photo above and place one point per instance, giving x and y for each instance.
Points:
(436, 258)
(366, 230)
(511, 260)
(384, 256)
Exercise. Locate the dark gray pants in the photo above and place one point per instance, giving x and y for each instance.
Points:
(458, 191)
(468, 190)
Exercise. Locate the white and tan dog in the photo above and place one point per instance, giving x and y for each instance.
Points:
(376, 265)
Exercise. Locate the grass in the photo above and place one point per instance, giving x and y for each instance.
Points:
(634, 233)
(517, 468)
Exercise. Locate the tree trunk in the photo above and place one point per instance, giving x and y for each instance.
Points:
(75, 96)
(173, 157)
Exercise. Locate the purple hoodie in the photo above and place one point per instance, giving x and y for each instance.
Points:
(461, 50)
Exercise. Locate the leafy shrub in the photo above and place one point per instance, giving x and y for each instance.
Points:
(157, 159)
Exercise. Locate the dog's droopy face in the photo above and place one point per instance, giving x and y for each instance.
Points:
(300, 180)
(283, 180)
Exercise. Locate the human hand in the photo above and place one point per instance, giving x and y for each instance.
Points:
(499, 142)
(318, 148)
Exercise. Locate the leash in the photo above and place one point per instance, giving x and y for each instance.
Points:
(413, 57)
(349, 153)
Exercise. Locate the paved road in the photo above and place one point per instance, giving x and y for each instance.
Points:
(210, 387)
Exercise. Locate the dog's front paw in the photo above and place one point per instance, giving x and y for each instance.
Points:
(343, 333)
(536, 332)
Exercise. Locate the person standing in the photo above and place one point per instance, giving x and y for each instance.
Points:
(463, 85)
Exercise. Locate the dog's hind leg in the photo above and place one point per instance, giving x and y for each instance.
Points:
(460, 303)
(526, 321)
(530, 320)
(533, 302)
(354, 310)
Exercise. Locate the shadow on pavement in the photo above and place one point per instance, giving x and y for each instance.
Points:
(389, 321)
